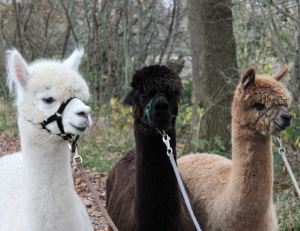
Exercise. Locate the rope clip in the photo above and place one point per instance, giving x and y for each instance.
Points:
(166, 140)
(281, 149)
(76, 155)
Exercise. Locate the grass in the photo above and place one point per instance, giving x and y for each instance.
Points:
(8, 117)
(288, 212)
(103, 146)
(111, 136)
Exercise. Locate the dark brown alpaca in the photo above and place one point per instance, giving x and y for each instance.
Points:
(142, 190)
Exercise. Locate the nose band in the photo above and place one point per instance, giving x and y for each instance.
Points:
(146, 114)
(57, 116)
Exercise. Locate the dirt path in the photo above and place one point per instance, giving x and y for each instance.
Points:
(10, 143)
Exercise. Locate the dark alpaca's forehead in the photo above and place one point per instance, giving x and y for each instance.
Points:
(156, 79)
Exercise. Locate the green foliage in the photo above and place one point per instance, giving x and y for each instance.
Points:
(288, 212)
(6, 123)
(101, 151)
(292, 134)
(184, 118)
(186, 92)
(111, 136)
(8, 117)
(206, 144)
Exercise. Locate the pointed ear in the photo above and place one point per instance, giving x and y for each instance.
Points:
(281, 73)
(248, 78)
(17, 69)
(129, 98)
(74, 60)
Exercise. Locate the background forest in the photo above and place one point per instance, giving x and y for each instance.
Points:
(208, 43)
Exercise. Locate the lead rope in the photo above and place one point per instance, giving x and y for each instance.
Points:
(282, 151)
(92, 189)
(166, 140)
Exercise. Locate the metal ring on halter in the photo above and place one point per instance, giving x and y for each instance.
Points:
(281, 150)
(77, 157)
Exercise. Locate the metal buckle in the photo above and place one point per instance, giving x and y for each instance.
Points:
(76, 156)
(166, 140)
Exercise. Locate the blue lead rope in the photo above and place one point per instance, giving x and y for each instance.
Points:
(166, 140)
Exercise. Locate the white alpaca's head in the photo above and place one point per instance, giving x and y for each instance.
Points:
(44, 85)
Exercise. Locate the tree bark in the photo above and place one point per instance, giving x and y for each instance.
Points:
(214, 64)
(297, 64)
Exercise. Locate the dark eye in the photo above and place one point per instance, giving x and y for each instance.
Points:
(48, 100)
(259, 106)
(143, 96)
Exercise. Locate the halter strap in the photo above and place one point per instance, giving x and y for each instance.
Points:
(146, 114)
(57, 116)
(266, 117)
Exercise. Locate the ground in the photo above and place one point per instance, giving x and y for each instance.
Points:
(10, 143)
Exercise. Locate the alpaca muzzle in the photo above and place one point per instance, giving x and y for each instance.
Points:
(265, 118)
(57, 116)
(146, 114)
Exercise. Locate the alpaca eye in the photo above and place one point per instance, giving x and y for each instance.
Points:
(259, 106)
(143, 96)
(48, 100)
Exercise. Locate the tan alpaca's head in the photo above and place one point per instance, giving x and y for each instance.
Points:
(44, 85)
(262, 103)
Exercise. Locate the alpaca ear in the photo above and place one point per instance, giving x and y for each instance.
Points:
(74, 60)
(17, 69)
(248, 78)
(281, 73)
(129, 98)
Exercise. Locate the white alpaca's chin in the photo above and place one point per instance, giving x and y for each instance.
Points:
(79, 127)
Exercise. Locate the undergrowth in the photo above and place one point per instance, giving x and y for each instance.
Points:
(288, 212)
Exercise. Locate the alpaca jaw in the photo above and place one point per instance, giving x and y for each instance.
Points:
(278, 121)
(76, 118)
(160, 114)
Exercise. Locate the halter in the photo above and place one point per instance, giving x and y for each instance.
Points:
(266, 117)
(146, 114)
(57, 116)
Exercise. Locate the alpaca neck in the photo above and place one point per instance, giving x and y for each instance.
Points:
(157, 193)
(252, 174)
(47, 179)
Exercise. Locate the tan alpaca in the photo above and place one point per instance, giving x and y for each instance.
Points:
(237, 195)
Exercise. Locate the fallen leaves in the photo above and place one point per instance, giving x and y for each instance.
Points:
(9, 143)
(99, 183)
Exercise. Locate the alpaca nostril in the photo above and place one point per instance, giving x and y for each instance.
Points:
(286, 116)
(161, 106)
(82, 114)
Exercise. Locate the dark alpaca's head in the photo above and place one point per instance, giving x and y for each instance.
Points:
(148, 82)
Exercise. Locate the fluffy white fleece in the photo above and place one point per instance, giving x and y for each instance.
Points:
(36, 186)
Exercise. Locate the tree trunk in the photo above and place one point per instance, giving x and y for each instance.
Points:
(296, 76)
(214, 68)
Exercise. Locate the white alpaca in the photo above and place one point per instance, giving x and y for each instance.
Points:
(36, 186)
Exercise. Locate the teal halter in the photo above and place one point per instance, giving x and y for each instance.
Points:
(146, 114)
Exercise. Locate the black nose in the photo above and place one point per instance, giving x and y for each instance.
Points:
(161, 104)
(161, 108)
(286, 116)
(82, 114)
